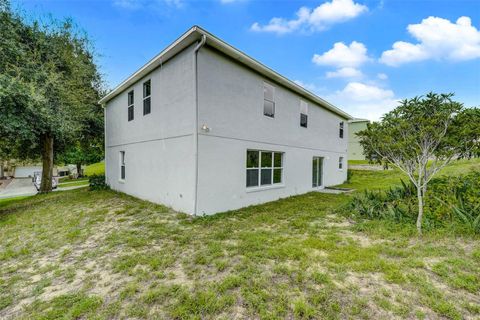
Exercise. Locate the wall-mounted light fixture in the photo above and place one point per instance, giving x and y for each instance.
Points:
(205, 128)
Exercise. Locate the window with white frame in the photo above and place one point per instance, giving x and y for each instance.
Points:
(340, 163)
(341, 130)
(303, 114)
(122, 165)
(147, 90)
(268, 100)
(264, 168)
(130, 105)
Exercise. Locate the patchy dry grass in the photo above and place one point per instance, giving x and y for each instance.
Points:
(104, 255)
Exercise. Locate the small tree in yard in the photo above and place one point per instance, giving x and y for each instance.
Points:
(49, 85)
(421, 136)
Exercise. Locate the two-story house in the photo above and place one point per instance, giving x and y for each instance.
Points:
(204, 128)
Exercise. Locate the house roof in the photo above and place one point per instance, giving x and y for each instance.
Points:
(195, 34)
(358, 120)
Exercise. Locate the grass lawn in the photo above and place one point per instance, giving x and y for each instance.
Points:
(73, 183)
(102, 255)
(96, 168)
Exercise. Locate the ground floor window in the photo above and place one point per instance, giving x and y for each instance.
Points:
(317, 172)
(122, 165)
(340, 163)
(264, 168)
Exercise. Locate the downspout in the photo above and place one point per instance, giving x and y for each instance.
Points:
(105, 142)
(195, 133)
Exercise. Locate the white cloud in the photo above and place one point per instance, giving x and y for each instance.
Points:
(438, 39)
(342, 56)
(382, 76)
(346, 72)
(364, 100)
(347, 58)
(318, 19)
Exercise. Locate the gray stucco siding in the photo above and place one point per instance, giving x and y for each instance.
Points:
(160, 171)
(172, 105)
(231, 105)
(230, 102)
(222, 178)
(159, 147)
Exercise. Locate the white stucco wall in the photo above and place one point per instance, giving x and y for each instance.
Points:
(231, 105)
(158, 147)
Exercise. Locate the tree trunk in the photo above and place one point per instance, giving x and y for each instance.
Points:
(47, 163)
(420, 210)
(79, 170)
(1, 169)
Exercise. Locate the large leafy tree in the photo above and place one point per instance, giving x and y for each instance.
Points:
(421, 136)
(49, 87)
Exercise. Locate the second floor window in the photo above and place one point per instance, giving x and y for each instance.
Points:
(340, 133)
(130, 106)
(147, 90)
(268, 100)
(303, 114)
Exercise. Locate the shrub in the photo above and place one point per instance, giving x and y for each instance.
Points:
(97, 182)
(397, 203)
(450, 200)
(454, 191)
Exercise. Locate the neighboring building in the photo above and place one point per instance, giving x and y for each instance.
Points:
(355, 150)
(204, 128)
(27, 171)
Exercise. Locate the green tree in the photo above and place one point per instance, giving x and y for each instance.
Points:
(420, 137)
(49, 85)
(89, 148)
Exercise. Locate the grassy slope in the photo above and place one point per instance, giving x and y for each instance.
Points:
(96, 168)
(107, 255)
(385, 179)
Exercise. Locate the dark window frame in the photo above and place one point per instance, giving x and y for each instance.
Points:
(303, 114)
(303, 120)
(273, 170)
(267, 100)
(147, 94)
(131, 105)
(122, 166)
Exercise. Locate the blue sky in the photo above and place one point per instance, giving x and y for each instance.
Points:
(362, 55)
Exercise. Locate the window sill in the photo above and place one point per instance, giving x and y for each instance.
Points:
(121, 181)
(262, 188)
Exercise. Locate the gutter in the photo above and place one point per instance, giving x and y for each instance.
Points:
(195, 133)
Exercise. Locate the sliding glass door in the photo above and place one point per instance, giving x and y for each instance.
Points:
(317, 172)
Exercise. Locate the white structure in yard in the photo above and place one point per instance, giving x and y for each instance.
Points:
(204, 128)
(355, 149)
